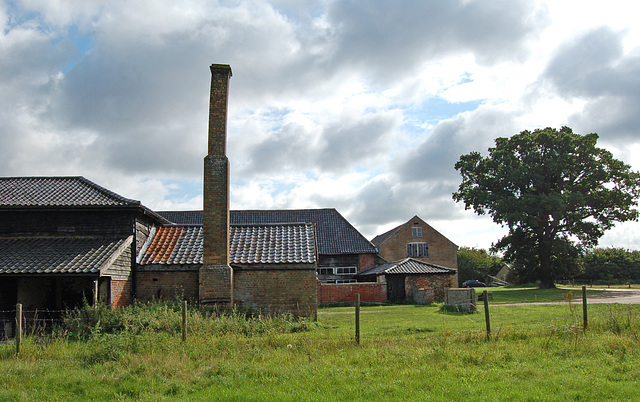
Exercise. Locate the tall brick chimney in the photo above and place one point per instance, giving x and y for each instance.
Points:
(216, 276)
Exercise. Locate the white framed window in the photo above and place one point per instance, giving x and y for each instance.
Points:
(345, 281)
(346, 270)
(324, 271)
(416, 231)
(417, 249)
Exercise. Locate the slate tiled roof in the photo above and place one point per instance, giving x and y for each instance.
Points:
(379, 239)
(272, 244)
(249, 244)
(57, 191)
(60, 255)
(63, 192)
(183, 217)
(335, 235)
(406, 266)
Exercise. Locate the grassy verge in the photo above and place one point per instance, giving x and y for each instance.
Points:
(532, 294)
(407, 353)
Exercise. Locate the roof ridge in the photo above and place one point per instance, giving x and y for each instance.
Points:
(108, 192)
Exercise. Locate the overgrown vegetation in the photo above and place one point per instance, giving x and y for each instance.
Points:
(166, 317)
(407, 352)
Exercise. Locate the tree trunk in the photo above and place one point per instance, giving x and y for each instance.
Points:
(544, 250)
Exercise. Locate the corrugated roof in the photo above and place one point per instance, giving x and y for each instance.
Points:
(249, 244)
(406, 266)
(57, 191)
(59, 255)
(335, 235)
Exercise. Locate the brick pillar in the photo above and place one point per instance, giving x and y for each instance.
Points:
(216, 276)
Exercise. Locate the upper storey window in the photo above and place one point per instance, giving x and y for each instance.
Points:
(416, 231)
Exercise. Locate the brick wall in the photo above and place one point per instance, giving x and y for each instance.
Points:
(442, 251)
(437, 282)
(158, 285)
(366, 261)
(277, 290)
(345, 292)
(120, 293)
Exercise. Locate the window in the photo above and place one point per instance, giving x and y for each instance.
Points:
(325, 271)
(346, 281)
(417, 250)
(416, 231)
(346, 270)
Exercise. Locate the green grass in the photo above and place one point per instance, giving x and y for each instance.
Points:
(406, 353)
(532, 294)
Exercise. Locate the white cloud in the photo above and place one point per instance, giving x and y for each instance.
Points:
(364, 107)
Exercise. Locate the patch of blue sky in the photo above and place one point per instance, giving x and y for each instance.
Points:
(184, 189)
(18, 16)
(421, 119)
(83, 44)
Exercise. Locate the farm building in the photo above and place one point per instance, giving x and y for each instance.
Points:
(66, 240)
(418, 240)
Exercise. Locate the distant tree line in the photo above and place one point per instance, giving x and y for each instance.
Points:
(598, 266)
(477, 263)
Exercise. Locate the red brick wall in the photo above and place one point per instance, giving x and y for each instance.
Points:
(120, 293)
(366, 261)
(154, 285)
(277, 290)
(345, 292)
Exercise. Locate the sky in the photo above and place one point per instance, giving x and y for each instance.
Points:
(362, 106)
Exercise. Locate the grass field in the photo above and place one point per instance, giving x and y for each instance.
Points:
(406, 353)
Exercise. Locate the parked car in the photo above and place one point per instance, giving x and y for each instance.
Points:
(473, 284)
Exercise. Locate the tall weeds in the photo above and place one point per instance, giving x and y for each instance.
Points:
(166, 317)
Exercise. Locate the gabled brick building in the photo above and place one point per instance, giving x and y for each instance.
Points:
(417, 239)
(416, 252)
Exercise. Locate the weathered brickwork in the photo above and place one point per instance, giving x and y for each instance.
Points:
(366, 261)
(417, 287)
(345, 292)
(215, 279)
(442, 251)
(216, 284)
(272, 290)
(163, 285)
(218, 102)
(120, 293)
(216, 211)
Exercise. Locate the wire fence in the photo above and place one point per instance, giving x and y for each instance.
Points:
(34, 322)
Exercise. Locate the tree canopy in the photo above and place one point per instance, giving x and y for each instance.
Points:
(555, 191)
(477, 263)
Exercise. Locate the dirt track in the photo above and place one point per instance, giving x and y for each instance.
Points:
(609, 296)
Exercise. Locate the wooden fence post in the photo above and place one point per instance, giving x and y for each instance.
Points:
(184, 320)
(18, 327)
(584, 308)
(485, 298)
(357, 318)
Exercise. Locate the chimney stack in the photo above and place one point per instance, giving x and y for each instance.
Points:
(216, 276)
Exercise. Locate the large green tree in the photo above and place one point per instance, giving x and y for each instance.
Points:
(555, 191)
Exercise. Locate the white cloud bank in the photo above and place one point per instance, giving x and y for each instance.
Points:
(361, 106)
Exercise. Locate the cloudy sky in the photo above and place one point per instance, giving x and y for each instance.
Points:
(362, 106)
